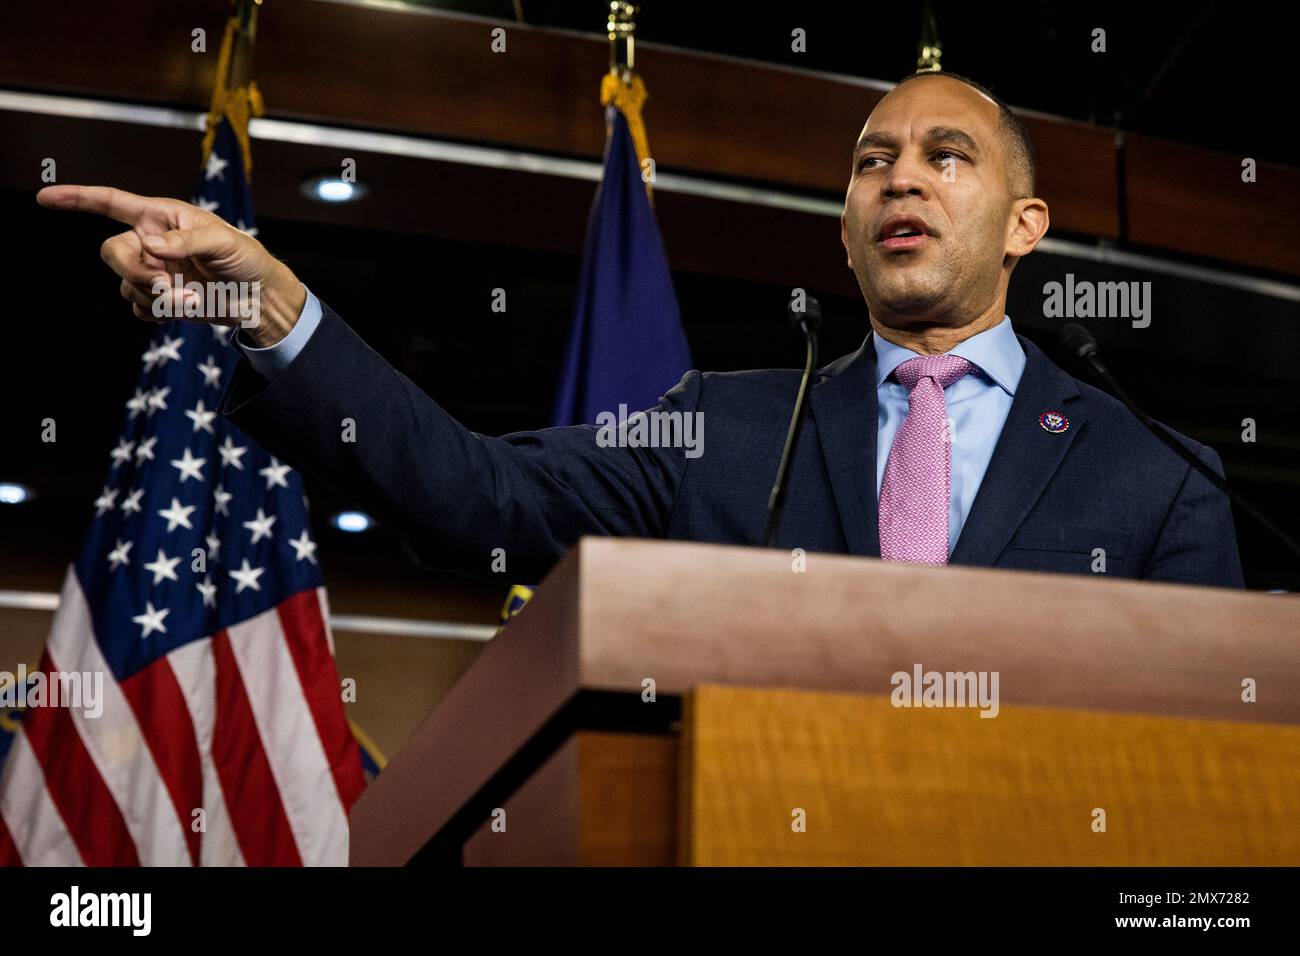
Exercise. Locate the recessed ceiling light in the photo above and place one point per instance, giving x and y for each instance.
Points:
(332, 188)
(12, 493)
(353, 521)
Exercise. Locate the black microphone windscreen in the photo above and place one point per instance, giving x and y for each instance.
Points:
(1075, 340)
(810, 313)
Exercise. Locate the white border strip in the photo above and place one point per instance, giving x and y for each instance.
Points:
(402, 627)
(392, 144)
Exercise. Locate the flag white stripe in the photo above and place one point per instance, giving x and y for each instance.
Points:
(30, 815)
(323, 596)
(114, 740)
(293, 746)
(196, 673)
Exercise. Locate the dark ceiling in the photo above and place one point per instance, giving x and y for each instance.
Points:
(1206, 73)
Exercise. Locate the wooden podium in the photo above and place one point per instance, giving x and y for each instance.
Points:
(670, 703)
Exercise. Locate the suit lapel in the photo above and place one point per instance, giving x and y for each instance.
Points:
(844, 407)
(1024, 459)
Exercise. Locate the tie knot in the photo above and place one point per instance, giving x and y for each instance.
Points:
(944, 369)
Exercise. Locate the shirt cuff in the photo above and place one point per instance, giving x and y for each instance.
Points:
(274, 359)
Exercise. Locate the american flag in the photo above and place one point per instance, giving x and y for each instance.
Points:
(198, 595)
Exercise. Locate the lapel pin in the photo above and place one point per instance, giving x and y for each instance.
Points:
(1053, 422)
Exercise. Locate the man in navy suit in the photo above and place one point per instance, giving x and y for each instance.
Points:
(945, 438)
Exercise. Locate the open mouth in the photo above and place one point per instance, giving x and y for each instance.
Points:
(903, 232)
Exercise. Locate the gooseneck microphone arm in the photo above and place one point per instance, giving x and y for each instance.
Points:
(805, 314)
(1078, 343)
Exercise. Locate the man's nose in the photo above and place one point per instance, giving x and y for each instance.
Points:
(909, 175)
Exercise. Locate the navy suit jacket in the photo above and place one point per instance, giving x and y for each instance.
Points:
(1046, 502)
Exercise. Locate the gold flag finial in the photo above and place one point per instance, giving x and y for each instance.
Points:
(621, 86)
(235, 95)
(929, 50)
(621, 27)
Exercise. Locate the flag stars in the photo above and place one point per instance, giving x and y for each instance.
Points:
(221, 333)
(201, 417)
(177, 515)
(222, 497)
(215, 167)
(230, 454)
(207, 205)
(151, 620)
(214, 545)
(163, 567)
(260, 526)
(304, 546)
(131, 503)
(137, 403)
(158, 399)
(208, 590)
(118, 556)
(145, 450)
(169, 349)
(106, 501)
(274, 474)
(247, 577)
(189, 466)
(211, 372)
(122, 452)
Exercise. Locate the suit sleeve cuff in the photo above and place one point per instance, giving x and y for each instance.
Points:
(274, 359)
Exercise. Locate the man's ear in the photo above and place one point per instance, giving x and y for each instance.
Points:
(844, 237)
(1027, 225)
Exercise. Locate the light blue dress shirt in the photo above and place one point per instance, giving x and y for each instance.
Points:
(978, 405)
(274, 359)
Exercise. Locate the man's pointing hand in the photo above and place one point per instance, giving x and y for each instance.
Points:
(168, 238)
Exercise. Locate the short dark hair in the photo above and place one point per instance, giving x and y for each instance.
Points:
(1020, 149)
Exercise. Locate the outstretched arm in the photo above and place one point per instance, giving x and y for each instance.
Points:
(341, 412)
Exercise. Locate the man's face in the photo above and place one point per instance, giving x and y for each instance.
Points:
(929, 207)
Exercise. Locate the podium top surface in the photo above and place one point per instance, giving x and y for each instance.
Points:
(684, 613)
(616, 612)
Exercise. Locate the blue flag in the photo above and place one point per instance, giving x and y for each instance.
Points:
(627, 345)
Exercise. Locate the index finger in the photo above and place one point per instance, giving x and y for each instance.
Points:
(125, 207)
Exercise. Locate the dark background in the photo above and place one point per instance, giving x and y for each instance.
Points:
(1204, 75)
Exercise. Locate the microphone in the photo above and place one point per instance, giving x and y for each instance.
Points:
(1078, 343)
(805, 314)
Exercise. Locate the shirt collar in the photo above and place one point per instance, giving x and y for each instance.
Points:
(996, 352)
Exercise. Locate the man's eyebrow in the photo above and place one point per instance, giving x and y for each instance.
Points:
(953, 135)
(934, 134)
(871, 140)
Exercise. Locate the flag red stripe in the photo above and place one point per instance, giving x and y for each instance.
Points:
(253, 802)
(304, 633)
(78, 792)
(159, 705)
(9, 855)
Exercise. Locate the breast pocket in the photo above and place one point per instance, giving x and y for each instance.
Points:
(1070, 549)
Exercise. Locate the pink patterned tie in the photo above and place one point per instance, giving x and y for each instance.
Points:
(914, 492)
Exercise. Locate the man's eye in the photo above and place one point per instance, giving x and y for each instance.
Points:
(862, 163)
(941, 153)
